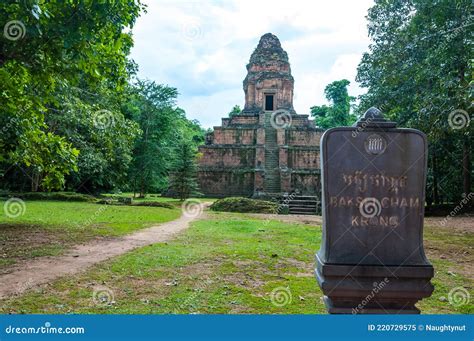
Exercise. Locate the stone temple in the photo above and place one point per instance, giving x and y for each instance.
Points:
(267, 150)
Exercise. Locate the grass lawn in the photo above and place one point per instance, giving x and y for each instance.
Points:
(228, 263)
(49, 227)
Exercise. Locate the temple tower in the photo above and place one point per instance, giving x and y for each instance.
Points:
(267, 150)
(269, 84)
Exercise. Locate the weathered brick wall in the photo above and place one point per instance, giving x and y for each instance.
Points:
(259, 180)
(283, 157)
(299, 121)
(303, 137)
(260, 157)
(226, 183)
(227, 157)
(234, 136)
(283, 88)
(244, 120)
(303, 159)
(305, 183)
(285, 180)
(261, 136)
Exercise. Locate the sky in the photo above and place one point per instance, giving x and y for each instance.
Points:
(202, 48)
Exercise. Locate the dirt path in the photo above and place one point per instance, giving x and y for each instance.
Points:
(45, 269)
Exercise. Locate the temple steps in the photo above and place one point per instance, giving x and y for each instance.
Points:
(303, 204)
(272, 158)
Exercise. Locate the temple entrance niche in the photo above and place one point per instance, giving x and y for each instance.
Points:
(269, 102)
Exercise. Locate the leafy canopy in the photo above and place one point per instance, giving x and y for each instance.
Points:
(337, 114)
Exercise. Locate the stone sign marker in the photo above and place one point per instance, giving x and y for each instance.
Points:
(371, 258)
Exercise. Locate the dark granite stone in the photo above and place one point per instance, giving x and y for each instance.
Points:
(373, 182)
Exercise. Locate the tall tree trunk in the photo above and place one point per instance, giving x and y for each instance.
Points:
(435, 181)
(466, 167)
(466, 157)
(35, 180)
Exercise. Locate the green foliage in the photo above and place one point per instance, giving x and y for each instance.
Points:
(96, 125)
(338, 113)
(418, 71)
(235, 111)
(154, 204)
(244, 205)
(61, 46)
(153, 108)
(163, 125)
(183, 182)
(70, 115)
(48, 156)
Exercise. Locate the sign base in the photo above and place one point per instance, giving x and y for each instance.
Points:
(373, 289)
(332, 309)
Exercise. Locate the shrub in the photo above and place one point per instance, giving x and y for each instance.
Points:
(153, 204)
(244, 205)
(61, 196)
(125, 200)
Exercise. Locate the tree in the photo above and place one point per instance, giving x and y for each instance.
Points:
(49, 48)
(95, 124)
(72, 114)
(235, 111)
(183, 171)
(419, 72)
(153, 108)
(163, 125)
(338, 113)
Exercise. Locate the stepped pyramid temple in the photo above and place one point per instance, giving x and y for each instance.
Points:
(267, 149)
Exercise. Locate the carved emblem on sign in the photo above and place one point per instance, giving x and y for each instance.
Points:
(375, 144)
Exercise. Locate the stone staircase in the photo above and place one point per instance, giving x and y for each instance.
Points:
(304, 204)
(272, 169)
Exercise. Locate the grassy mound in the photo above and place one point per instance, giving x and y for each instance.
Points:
(244, 205)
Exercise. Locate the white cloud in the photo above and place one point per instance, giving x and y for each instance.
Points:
(202, 47)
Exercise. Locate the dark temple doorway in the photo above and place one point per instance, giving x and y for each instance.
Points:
(268, 102)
